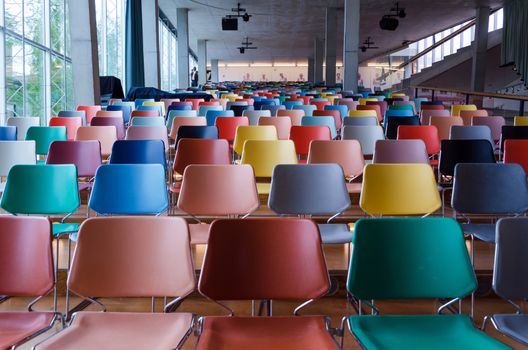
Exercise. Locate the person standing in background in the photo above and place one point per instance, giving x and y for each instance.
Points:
(194, 77)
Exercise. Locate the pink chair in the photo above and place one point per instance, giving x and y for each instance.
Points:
(400, 152)
(195, 102)
(282, 124)
(111, 121)
(90, 111)
(426, 114)
(109, 114)
(106, 135)
(467, 116)
(349, 102)
(180, 121)
(444, 124)
(71, 124)
(169, 101)
(495, 123)
(141, 132)
(294, 114)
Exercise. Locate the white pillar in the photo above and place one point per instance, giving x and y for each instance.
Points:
(310, 76)
(480, 49)
(84, 54)
(330, 43)
(214, 70)
(151, 60)
(182, 26)
(351, 46)
(318, 54)
(202, 62)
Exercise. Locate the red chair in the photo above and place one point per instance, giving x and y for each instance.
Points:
(516, 151)
(371, 108)
(200, 151)
(26, 270)
(195, 102)
(111, 121)
(209, 103)
(303, 135)
(71, 124)
(427, 133)
(428, 107)
(90, 111)
(148, 113)
(330, 113)
(227, 126)
(320, 104)
(306, 99)
(382, 105)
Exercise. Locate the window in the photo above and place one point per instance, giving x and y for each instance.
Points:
(110, 18)
(168, 48)
(34, 38)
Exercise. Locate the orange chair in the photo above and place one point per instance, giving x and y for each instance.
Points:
(330, 113)
(516, 151)
(147, 113)
(285, 270)
(371, 107)
(140, 257)
(346, 153)
(320, 104)
(467, 116)
(90, 111)
(426, 114)
(294, 114)
(233, 192)
(106, 135)
(71, 124)
(282, 124)
(427, 133)
(303, 135)
(444, 124)
(109, 114)
(227, 126)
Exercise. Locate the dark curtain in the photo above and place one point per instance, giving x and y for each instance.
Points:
(515, 36)
(135, 73)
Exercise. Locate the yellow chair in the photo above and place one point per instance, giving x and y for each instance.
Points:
(156, 103)
(331, 98)
(263, 155)
(399, 189)
(455, 109)
(261, 132)
(363, 101)
(363, 113)
(230, 97)
(520, 121)
(399, 94)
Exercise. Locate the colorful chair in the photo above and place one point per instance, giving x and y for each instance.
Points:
(117, 122)
(90, 112)
(307, 109)
(427, 133)
(212, 115)
(141, 132)
(282, 124)
(12, 153)
(44, 136)
(495, 124)
(393, 123)
(303, 135)
(145, 113)
(467, 116)
(8, 133)
(70, 123)
(176, 122)
(106, 135)
(443, 125)
(138, 152)
(471, 132)
(455, 109)
(253, 116)
(244, 133)
(126, 110)
(148, 121)
(327, 121)
(360, 121)
(426, 114)
(227, 126)
(400, 152)
(196, 132)
(366, 135)
(509, 132)
(22, 124)
(294, 114)
(516, 151)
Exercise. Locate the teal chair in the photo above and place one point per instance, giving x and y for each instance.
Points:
(401, 107)
(321, 121)
(413, 258)
(308, 109)
(202, 110)
(343, 110)
(44, 136)
(177, 113)
(148, 121)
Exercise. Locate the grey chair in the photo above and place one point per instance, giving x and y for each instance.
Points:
(471, 132)
(272, 108)
(510, 277)
(360, 121)
(312, 189)
(70, 114)
(400, 151)
(366, 135)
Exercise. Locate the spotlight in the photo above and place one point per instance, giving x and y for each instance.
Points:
(242, 50)
(402, 13)
(389, 23)
(246, 17)
(363, 49)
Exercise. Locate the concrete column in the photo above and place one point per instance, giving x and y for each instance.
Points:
(351, 46)
(310, 76)
(151, 60)
(202, 62)
(84, 54)
(480, 49)
(182, 26)
(318, 54)
(330, 49)
(214, 70)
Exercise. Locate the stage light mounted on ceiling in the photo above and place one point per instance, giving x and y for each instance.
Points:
(246, 45)
(368, 45)
(390, 21)
(230, 22)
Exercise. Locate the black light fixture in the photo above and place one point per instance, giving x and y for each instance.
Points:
(246, 46)
(390, 21)
(230, 22)
(368, 45)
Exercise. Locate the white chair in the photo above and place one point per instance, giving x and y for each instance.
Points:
(366, 135)
(254, 116)
(13, 153)
(23, 124)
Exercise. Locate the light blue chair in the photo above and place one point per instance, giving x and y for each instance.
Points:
(151, 108)
(202, 110)
(148, 121)
(139, 101)
(211, 115)
(418, 102)
(179, 113)
(343, 110)
(126, 109)
(290, 104)
(321, 121)
(308, 109)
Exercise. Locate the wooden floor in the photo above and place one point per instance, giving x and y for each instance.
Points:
(334, 306)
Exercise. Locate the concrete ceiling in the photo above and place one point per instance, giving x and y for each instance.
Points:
(284, 31)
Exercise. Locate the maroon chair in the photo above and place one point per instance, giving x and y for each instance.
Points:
(86, 155)
(111, 121)
(26, 270)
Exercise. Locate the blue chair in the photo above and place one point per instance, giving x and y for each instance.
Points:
(272, 108)
(148, 121)
(151, 108)
(211, 115)
(196, 132)
(140, 101)
(391, 130)
(343, 110)
(123, 108)
(290, 104)
(321, 121)
(258, 104)
(396, 113)
(308, 109)
(8, 133)
(202, 110)
(432, 103)
(179, 108)
(138, 152)
(129, 189)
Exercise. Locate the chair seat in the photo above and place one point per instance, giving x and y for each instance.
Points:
(264, 333)
(263, 188)
(17, 326)
(484, 232)
(63, 228)
(432, 332)
(514, 326)
(199, 233)
(335, 233)
(353, 187)
(122, 330)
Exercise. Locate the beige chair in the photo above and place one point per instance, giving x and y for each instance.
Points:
(106, 135)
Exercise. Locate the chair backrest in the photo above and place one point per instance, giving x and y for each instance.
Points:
(400, 152)
(202, 110)
(300, 273)
(227, 126)
(427, 133)
(254, 116)
(201, 151)
(140, 101)
(90, 111)
(261, 132)
(22, 124)
(126, 110)
(444, 124)
(145, 113)
(342, 109)
(240, 109)
(176, 122)
(26, 261)
(303, 135)
(8, 133)
(44, 136)
(375, 108)
(144, 132)
(467, 115)
(195, 102)
(495, 123)
(308, 189)
(513, 132)
(132, 257)
(307, 109)
(520, 121)
(109, 114)
(196, 132)
(111, 121)
(86, 155)
(489, 189)
(294, 114)
(350, 103)
(129, 189)
(148, 121)
(73, 114)
(399, 189)
(453, 152)
(426, 114)
(218, 189)
(321, 121)
(41, 189)
(157, 109)
(366, 135)
(419, 258)
(264, 155)
(70, 123)
(455, 109)
(516, 151)
(338, 122)
(391, 131)
(511, 264)
(346, 153)
(471, 132)
(360, 121)
(106, 135)
(212, 115)
(282, 124)
(19, 152)
(158, 104)
(138, 152)
(362, 113)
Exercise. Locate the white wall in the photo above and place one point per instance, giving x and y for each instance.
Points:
(246, 73)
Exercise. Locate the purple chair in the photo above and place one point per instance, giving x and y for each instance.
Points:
(111, 121)
(495, 124)
(85, 155)
(400, 151)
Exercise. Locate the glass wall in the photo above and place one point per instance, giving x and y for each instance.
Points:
(110, 18)
(168, 57)
(34, 46)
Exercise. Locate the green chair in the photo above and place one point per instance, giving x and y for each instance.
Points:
(401, 107)
(44, 136)
(412, 258)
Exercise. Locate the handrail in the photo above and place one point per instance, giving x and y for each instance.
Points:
(475, 93)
